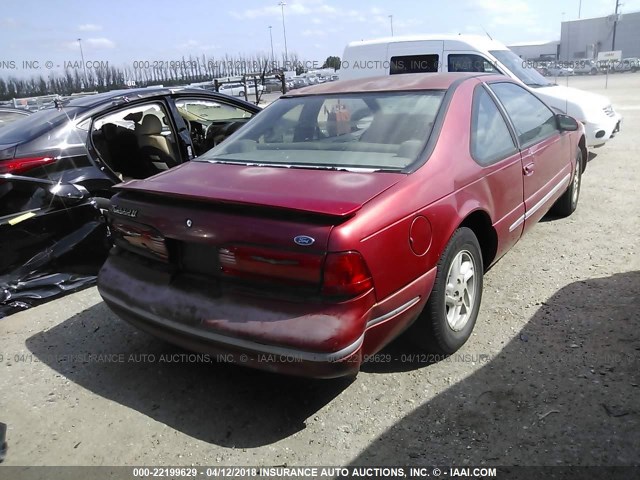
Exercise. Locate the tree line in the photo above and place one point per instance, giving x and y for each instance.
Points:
(143, 73)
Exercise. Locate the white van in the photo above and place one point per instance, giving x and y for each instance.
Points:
(471, 53)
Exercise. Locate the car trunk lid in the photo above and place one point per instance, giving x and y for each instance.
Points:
(251, 224)
(325, 192)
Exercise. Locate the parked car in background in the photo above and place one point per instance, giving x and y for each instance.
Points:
(8, 115)
(473, 53)
(585, 66)
(299, 82)
(272, 85)
(631, 64)
(339, 217)
(100, 140)
(558, 70)
(237, 89)
(540, 67)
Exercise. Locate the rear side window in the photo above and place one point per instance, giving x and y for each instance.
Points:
(532, 119)
(468, 62)
(136, 141)
(8, 117)
(414, 64)
(36, 124)
(491, 139)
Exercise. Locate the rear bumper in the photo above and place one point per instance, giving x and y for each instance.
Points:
(311, 338)
(226, 349)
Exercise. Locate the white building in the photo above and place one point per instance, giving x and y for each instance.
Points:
(587, 37)
(536, 50)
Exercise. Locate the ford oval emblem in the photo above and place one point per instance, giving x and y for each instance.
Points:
(304, 240)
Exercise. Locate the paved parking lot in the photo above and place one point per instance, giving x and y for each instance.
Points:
(550, 376)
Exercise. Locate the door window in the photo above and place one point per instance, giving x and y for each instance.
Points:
(414, 64)
(210, 122)
(532, 119)
(468, 62)
(136, 142)
(491, 139)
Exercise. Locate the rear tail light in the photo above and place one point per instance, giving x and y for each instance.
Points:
(144, 240)
(346, 274)
(21, 165)
(253, 262)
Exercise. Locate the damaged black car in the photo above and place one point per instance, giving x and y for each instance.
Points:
(57, 167)
(53, 239)
(100, 140)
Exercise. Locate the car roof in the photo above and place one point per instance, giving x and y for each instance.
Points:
(392, 83)
(129, 94)
(478, 41)
(15, 110)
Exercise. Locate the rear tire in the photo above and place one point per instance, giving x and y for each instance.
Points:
(568, 202)
(451, 311)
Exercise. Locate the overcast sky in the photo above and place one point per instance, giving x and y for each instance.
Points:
(120, 31)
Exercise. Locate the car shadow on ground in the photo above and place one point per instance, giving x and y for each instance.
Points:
(217, 403)
(563, 392)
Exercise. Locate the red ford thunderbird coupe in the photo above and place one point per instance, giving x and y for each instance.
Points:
(340, 216)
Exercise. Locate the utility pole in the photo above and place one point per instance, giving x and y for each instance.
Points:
(615, 25)
(271, 38)
(86, 82)
(391, 21)
(284, 31)
(579, 8)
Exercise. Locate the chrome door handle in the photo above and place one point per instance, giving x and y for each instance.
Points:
(528, 168)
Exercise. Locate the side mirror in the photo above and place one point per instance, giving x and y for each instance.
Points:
(566, 123)
(68, 193)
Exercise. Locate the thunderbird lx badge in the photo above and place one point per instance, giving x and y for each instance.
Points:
(127, 212)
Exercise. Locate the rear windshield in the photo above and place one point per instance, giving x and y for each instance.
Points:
(377, 131)
(36, 124)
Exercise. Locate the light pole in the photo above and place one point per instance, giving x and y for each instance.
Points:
(615, 26)
(391, 22)
(284, 31)
(271, 38)
(86, 82)
(579, 8)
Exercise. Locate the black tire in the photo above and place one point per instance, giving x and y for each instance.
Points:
(568, 202)
(432, 331)
(594, 71)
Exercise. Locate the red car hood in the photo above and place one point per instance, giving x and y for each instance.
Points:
(328, 192)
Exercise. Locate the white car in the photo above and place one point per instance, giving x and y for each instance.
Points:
(585, 67)
(471, 53)
(554, 70)
(627, 65)
(237, 89)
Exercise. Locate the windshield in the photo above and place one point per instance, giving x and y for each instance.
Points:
(377, 131)
(527, 75)
(36, 124)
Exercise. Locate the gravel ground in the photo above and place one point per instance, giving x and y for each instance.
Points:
(550, 376)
